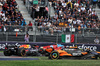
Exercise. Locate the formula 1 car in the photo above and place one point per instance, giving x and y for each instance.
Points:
(22, 50)
(44, 49)
(73, 53)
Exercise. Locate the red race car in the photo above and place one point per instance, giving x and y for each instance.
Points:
(43, 50)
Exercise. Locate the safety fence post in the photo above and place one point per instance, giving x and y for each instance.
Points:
(57, 38)
(6, 36)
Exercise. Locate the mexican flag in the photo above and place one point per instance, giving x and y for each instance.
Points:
(67, 38)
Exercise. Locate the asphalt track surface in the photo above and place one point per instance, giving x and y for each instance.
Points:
(2, 57)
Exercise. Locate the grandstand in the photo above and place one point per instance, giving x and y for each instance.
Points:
(50, 19)
(11, 18)
(76, 15)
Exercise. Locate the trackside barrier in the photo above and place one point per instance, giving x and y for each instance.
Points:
(3, 44)
(92, 47)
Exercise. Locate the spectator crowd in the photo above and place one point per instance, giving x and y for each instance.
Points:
(10, 15)
(70, 14)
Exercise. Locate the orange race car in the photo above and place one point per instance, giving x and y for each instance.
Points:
(73, 53)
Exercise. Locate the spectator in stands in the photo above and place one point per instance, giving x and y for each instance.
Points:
(1, 27)
(10, 28)
(33, 12)
(96, 40)
(72, 14)
(10, 13)
(23, 23)
(46, 12)
(37, 10)
(5, 27)
(1, 3)
(30, 26)
(26, 37)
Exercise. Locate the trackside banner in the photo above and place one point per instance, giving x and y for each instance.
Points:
(3, 44)
(94, 47)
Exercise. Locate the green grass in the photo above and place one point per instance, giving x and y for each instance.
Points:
(44, 61)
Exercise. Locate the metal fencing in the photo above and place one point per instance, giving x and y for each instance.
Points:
(45, 38)
(13, 28)
(44, 34)
(45, 30)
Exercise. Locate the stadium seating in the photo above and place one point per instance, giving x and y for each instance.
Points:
(10, 16)
(70, 14)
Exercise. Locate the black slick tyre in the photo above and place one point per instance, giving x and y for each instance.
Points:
(54, 55)
(23, 52)
(7, 52)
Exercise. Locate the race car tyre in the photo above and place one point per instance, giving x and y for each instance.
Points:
(19, 51)
(23, 52)
(54, 55)
(7, 53)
